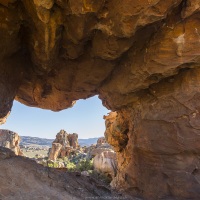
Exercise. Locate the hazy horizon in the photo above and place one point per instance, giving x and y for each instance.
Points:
(54, 138)
(85, 118)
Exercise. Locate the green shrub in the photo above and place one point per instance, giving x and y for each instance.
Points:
(75, 164)
(70, 166)
(85, 165)
(52, 164)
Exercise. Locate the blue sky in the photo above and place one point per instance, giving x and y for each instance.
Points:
(84, 118)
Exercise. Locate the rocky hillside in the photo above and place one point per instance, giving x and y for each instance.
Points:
(31, 181)
(27, 140)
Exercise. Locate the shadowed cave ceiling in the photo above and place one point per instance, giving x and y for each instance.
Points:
(54, 52)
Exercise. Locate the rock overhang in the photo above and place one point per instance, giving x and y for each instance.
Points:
(56, 52)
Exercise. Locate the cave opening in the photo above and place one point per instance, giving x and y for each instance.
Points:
(84, 118)
(90, 156)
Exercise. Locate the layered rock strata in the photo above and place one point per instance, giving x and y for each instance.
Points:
(162, 146)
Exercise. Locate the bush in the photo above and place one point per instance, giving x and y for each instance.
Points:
(70, 166)
(77, 158)
(52, 164)
(85, 165)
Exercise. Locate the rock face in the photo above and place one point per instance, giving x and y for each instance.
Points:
(162, 146)
(141, 57)
(63, 145)
(73, 140)
(10, 140)
(55, 151)
(116, 131)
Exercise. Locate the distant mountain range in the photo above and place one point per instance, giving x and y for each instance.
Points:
(27, 140)
(87, 142)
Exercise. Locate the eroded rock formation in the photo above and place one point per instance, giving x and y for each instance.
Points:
(99, 148)
(141, 56)
(10, 140)
(63, 145)
(55, 151)
(101, 141)
(73, 140)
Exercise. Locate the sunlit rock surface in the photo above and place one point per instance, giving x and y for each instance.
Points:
(10, 140)
(141, 56)
(161, 156)
(63, 145)
(105, 162)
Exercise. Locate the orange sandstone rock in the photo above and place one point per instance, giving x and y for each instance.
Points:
(63, 145)
(10, 140)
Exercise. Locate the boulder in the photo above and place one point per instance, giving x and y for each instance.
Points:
(85, 173)
(61, 165)
(101, 146)
(105, 162)
(10, 140)
(97, 151)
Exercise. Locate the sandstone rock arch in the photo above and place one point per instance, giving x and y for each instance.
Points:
(141, 57)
